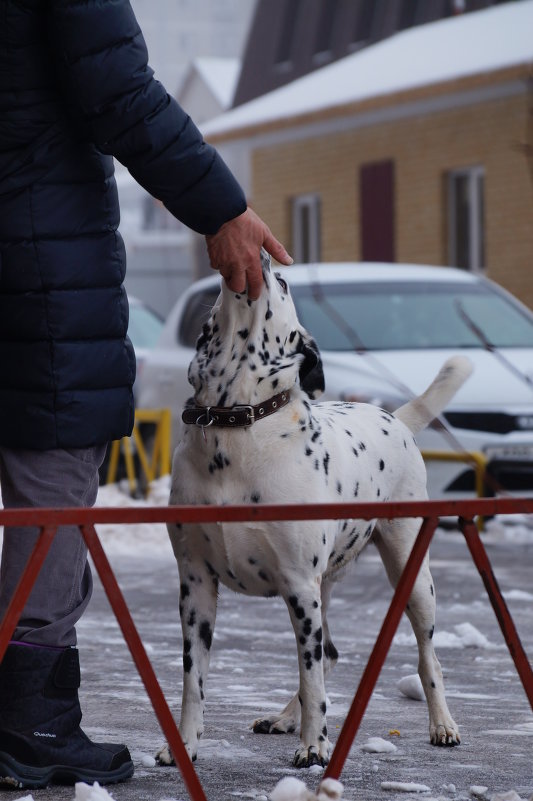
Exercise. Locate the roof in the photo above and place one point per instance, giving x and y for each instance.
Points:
(493, 39)
(220, 75)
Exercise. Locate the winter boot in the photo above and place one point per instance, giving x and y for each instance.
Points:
(40, 737)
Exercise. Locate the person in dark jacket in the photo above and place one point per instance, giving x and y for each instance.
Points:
(75, 91)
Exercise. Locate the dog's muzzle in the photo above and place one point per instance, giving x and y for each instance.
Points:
(238, 416)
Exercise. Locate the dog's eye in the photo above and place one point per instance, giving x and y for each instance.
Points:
(282, 282)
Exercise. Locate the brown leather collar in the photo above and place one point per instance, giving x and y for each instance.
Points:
(234, 416)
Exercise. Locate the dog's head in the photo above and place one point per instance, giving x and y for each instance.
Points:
(250, 350)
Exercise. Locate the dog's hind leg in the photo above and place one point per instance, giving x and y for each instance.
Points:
(198, 602)
(394, 540)
(288, 720)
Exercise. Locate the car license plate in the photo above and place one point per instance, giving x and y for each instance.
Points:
(516, 451)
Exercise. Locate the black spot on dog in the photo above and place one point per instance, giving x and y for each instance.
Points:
(210, 569)
(251, 348)
(302, 639)
(325, 462)
(255, 497)
(318, 653)
(187, 663)
(323, 707)
(315, 560)
(381, 464)
(431, 632)
(184, 591)
(262, 575)
(318, 634)
(433, 684)
(432, 591)
(384, 431)
(206, 634)
(308, 451)
(243, 333)
(330, 651)
(339, 487)
(192, 618)
(251, 560)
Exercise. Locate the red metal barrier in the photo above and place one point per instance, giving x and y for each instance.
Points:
(48, 520)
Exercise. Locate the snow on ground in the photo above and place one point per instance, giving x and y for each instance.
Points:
(240, 647)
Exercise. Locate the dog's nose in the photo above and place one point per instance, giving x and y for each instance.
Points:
(265, 265)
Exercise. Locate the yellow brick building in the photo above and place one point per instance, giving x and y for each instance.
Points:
(454, 136)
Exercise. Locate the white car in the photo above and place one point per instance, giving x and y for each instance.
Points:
(384, 330)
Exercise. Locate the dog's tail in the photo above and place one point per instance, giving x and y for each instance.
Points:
(419, 412)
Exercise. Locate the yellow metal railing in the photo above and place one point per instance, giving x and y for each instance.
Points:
(159, 461)
(475, 459)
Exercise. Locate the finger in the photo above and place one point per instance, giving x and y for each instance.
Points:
(235, 280)
(276, 249)
(254, 275)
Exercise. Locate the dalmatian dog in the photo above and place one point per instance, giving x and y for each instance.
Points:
(251, 435)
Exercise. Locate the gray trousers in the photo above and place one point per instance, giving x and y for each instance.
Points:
(56, 478)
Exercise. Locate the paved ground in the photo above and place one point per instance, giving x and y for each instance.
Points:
(253, 670)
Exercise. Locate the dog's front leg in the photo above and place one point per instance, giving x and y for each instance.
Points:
(305, 613)
(198, 601)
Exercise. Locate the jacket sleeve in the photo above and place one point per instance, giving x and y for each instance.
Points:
(102, 62)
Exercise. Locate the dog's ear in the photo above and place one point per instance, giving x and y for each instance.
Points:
(311, 371)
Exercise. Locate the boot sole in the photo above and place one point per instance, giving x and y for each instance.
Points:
(18, 776)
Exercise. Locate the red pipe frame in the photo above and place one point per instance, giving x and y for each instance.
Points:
(48, 520)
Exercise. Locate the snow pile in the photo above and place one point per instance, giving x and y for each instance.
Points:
(411, 687)
(377, 745)
(466, 636)
(83, 792)
(291, 789)
(405, 787)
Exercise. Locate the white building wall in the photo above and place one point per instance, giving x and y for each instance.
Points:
(162, 263)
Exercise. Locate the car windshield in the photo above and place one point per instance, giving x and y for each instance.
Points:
(411, 316)
(144, 327)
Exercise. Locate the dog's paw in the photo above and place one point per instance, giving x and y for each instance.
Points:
(445, 734)
(306, 757)
(164, 756)
(277, 724)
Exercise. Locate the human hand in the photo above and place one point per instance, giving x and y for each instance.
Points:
(235, 252)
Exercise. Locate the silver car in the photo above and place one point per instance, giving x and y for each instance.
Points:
(383, 331)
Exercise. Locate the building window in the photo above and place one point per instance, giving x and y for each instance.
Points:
(376, 185)
(326, 21)
(364, 22)
(408, 14)
(288, 32)
(306, 228)
(466, 227)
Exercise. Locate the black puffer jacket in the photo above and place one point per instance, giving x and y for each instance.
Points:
(75, 89)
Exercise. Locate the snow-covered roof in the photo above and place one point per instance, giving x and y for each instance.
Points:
(220, 75)
(451, 48)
